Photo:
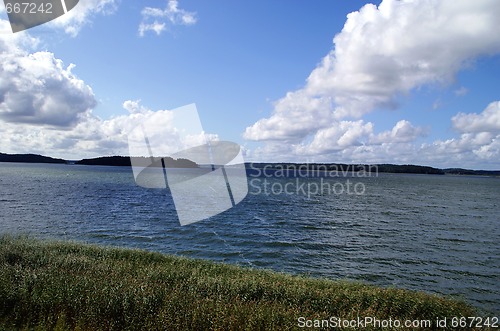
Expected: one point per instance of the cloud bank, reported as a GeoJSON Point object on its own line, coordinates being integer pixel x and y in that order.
{"type": "Point", "coordinates": [46, 109]}
{"type": "Point", "coordinates": [381, 53]}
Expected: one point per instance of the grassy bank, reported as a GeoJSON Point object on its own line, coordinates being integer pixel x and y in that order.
{"type": "Point", "coordinates": [60, 285]}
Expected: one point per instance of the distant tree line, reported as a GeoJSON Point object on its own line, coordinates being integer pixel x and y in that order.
{"type": "Point", "coordinates": [460, 171]}
{"type": "Point", "coordinates": [185, 163]}
{"type": "Point", "coordinates": [347, 168]}
{"type": "Point", "coordinates": [28, 158]}
{"type": "Point", "coordinates": [253, 168]}
{"type": "Point", "coordinates": [125, 161]}
{"type": "Point", "coordinates": [409, 169]}
{"type": "Point", "coordinates": [120, 161]}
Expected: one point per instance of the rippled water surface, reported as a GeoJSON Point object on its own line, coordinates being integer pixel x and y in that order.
{"type": "Point", "coordinates": [439, 234]}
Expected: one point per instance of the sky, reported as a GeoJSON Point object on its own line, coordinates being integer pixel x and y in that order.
{"type": "Point", "coordinates": [404, 82]}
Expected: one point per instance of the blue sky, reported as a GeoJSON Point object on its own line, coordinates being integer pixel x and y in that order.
{"type": "Point", "coordinates": [402, 82]}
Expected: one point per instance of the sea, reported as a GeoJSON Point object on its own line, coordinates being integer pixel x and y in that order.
{"type": "Point", "coordinates": [434, 233]}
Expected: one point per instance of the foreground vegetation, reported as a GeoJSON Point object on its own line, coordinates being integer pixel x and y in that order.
{"type": "Point", "coordinates": [69, 286]}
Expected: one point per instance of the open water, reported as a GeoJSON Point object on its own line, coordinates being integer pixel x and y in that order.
{"type": "Point", "coordinates": [439, 234]}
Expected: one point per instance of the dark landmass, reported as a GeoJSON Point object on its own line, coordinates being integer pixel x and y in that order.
{"type": "Point", "coordinates": [460, 171]}
{"type": "Point", "coordinates": [125, 161]}
{"type": "Point", "coordinates": [340, 168]}
{"type": "Point", "coordinates": [121, 161]}
{"type": "Point", "coordinates": [409, 169]}
{"type": "Point", "coordinates": [28, 158]}
{"type": "Point", "coordinates": [298, 169]}
{"type": "Point", "coordinates": [257, 167]}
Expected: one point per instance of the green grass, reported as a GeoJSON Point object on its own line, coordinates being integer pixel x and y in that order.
{"type": "Point", "coordinates": [46, 285]}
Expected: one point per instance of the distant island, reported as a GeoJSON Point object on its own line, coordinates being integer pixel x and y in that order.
{"type": "Point", "coordinates": [146, 161]}
{"type": "Point", "coordinates": [29, 158]}
{"type": "Point", "coordinates": [356, 168]}
{"type": "Point", "coordinates": [125, 161]}
{"type": "Point", "coordinates": [347, 168]}
{"type": "Point", "coordinates": [120, 161]}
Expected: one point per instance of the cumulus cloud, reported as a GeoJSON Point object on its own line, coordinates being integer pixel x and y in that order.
{"type": "Point", "coordinates": [479, 139]}
{"type": "Point", "coordinates": [15, 42]}
{"type": "Point", "coordinates": [134, 107]}
{"type": "Point", "coordinates": [402, 132]}
{"type": "Point", "coordinates": [380, 53]}
{"type": "Point", "coordinates": [476, 146]}
{"type": "Point", "coordinates": [296, 115]}
{"type": "Point", "coordinates": [346, 135]}
{"type": "Point", "coordinates": [38, 88]}
{"type": "Point", "coordinates": [47, 109]}
{"type": "Point", "coordinates": [486, 121]}
{"type": "Point", "coordinates": [155, 19]}
{"type": "Point", "coordinates": [92, 136]}
{"type": "Point", "coordinates": [342, 135]}
{"type": "Point", "coordinates": [465, 151]}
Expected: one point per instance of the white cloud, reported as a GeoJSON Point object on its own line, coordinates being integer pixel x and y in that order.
{"type": "Point", "coordinates": [380, 53]}
{"type": "Point", "coordinates": [171, 14]}
{"type": "Point", "coordinates": [92, 136]}
{"type": "Point", "coordinates": [46, 109]}
{"type": "Point", "coordinates": [73, 21]}
{"type": "Point", "coordinates": [356, 136]}
{"type": "Point", "coordinates": [402, 132]}
{"type": "Point", "coordinates": [479, 139]}
{"type": "Point", "coordinates": [156, 27]}
{"type": "Point", "coordinates": [477, 146]}
{"type": "Point", "coordinates": [37, 88]}
{"type": "Point", "coordinates": [340, 136]}
{"type": "Point", "coordinates": [15, 42]}
{"type": "Point", "coordinates": [468, 150]}
{"type": "Point", "coordinates": [134, 107]}
{"type": "Point", "coordinates": [347, 141]}
{"type": "Point", "coordinates": [296, 115]}
{"type": "Point", "coordinates": [487, 121]}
